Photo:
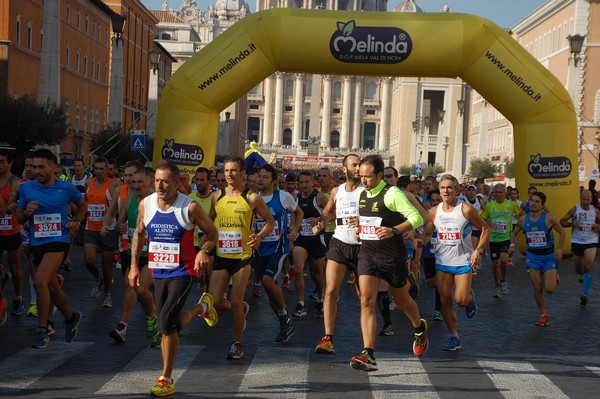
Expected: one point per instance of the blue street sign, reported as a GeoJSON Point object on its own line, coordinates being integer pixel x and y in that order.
{"type": "Point", "coordinates": [137, 143]}
{"type": "Point", "coordinates": [418, 169]}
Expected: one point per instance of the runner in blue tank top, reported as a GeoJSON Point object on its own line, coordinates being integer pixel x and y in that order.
{"type": "Point", "coordinates": [44, 203]}
{"type": "Point", "coordinates": [542, 257]}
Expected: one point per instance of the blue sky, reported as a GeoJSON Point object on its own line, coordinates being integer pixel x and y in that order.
{"type": "Point", "coordinates": [505, 13]}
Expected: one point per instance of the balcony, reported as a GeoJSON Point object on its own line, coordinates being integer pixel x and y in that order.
{"type": "Point", "coordinates": [301, 150]}
{"type": "Point", "coordinates": [255, 97]}
{"type": "Point", "coordinates": [371, 102]}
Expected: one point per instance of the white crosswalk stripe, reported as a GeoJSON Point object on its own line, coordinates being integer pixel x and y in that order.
{"type": "Point", "coordinates": [29, 365]}
{"type": "Point", "coordinates": [141, 373]}
{"type": "Point", "coordinates": [595, 370]}
{"type": "Point", "coordinates": [520, 380]}
{"type": "Point", "coordinates": [265, 378]}
{"type": "Point", "coordinates": [401, 376]}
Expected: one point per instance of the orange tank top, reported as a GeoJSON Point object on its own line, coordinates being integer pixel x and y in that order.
{"type": "Point", "coordinates": [98, 200]}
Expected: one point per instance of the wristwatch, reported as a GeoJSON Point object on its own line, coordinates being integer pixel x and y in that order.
{"type": "Point", "coordinates": [395, 231]}
{"type": "Point", "coordinates": [481, 251]}
{"type": "Point", "coordinates": [205, 250]}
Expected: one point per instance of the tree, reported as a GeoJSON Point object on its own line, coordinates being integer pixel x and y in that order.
{"type": "Point", "coordinates": [26, 123]}
{"type": "Point", "coordinates": [483, 168]}
{"type": "Point", "coordinates": [433, 170]}
{"type": "Point", "coordinates": [509, 168]}
{"type": "Point", "coordinates": [113, 143]}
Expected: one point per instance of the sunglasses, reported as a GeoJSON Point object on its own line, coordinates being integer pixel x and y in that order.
{"type": "Point", "coordinates": [388, 176]}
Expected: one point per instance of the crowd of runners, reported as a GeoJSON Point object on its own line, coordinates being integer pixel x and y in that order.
{"type": "Point", "coordinates": [230, 228]}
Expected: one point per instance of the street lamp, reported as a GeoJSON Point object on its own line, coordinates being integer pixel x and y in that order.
{"type": "Point", "coordinates": [441, 114]}
{"type": "Point", "coordinates": [118, 24]}
{"type": "Point", "coordinates": [575, 46]}
{"type": "Point", "coordinates": [154, 60]}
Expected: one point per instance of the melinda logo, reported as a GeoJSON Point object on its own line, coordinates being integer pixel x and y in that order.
{"type": "Point", "coordinates": [369, 45]}
{"type": "Point", "coordinates": [182, 154]}
{"type": "Point", "coordinates": [548, 168]}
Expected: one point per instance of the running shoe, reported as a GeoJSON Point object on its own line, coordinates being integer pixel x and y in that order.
{"type": "Point", "coordinates": [452, 344]}
{"type": "Point", "coordinates": [471, 309]}
{"type": "Point", "coordinates": [107, 303]}
{"type": "Point", "coordinates": [3, 312]}
{"type": "Point", "coordinates": [392, 303]}
{"type": "Point", "coordinates": [497, 292]}
{"type": "Point", "coordinates": [18, 307]}
{"type": "Point", "coordinates": [543, 321]}
{"type": "Point", "coordinates": [119, 333]}
{"type": "Point", "coordinates": [363, 362]}
{"type": "Point", "coordinates": [257, 291]}
{"type": "Point", "coordinates": [414, 289]}
{"type": "Point", "coordinates": [151, 326]}
{"type": "Point", "coordinates": [235, 352]}
{"type": "Point", "coordinates": [583, 299]}
{"type": "Point", "coordinates": [314, 295]}
{"type": "Point", "coordinates": [210, 316]}
{"type": "Point", "coordinates": [504, 287]}
{"type": "Point", "coordinates": [285, 282]}
{"type": "Point", "coordinates": [50, 328]}
{"type": "Point", "coordinates": [437, 315]}
{"type": "Point", "coordinates": [319, 309]}
{"type": "Point", "coordinates": [32, 311]}
{"type": "Point", "coordinates": [509, 262]}
{"type": "Point", "coordinates": [325, 347]}
{"type": "Point", "coordinates": [156, 340]}
{"type": "Point", "coordinates": [421, 342]}
{"type": "Point", "coordinates": [97, 288]}
{"type": "Point", "coordinates": [387, 330]}
{"type": "Point", "coordinates": [557, 279]}
{"type": "Point", "coordinates": [300, 311]}
{"type": "Point", "coordinates": [67, 265]}
{"type": "Point", "coordinates": [164, 387]}
{"type": "Point", "coordinates": [71, 329]}
{"type": "Point", "coordinates": [61, 280]}
{"type": "Point", "coordinates": [286, 331]}
{"type": "Point", "coordinates": [41, 339]}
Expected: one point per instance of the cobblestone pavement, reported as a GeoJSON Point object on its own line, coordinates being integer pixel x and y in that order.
{"type": "Point", "coordinates": [503, 354]}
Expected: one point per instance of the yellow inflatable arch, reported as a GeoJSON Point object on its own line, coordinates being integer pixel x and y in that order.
{"type": "Point", "coordinates": [379, 44]}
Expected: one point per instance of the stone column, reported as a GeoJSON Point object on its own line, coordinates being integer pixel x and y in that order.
{"type": "Point", "coordinates": [298, 108]}
{"type": "Point", "coordinates": [267, 133]}
{"type": "Point", "coordinates": [278, 112]}
{"type": "Point", "coordinates": [346, 111]}
{"type": "Point", "coordinates": [358, 107]}
{"type": "Point", "coordinates": [326, 121]}
{"type": "Point", "coordinates": [386, 110]}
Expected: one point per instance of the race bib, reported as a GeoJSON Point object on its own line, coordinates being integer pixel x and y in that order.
{"type": "Point", "coordinates": [346, 209]}
{"type": "Point", "coordinates": [367, 229]}
{"type": "Point", "coordinates": [273, 235]}
{"type": "Point", "coordinates": [306, 228]}
{"type": "Point", "coordinates": [96, 212]}
{"type": "Point", "coordinates": [499, 226]}
{"type": "Point", "coordinates": [449, 236]}
{"type": "Point", "coordinates": [536, 239]}
{"type": "Point", "coordinates": [585, 227]}
{"type": "Point", "coordinates": [433, 244]}
{"type": "Point", "coordinates": [230, 242]}
{"type": "Point", "coordinates": [163, 255]}
{"type": "Point", "coordinates": [6, 222]}
{"type": "Point", "coordinates": [47, 225]}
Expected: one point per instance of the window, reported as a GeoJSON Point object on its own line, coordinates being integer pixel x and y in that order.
{"type": "Point", "coordinates": [255, 90]}
{"type": "Point", "coordinates": [77, 60]}
{"type": "Point", "coordinates": [289, 88]}
{"type": "Point", "coordinates": [18, 27]}
{"type": "Point", "coordinates": [288, 108]}
{"type": "Point", "coordinates": [68, 112]}
{"type": "Point", "coordinates": [337, 91]}
{"type": "Point", "coordinates": [93, 29]}
{"type": "Point", "coordinates": [67, 56]}
{"type": "Point", "coordinates": [165, 36]}
{"type": "Point", "coordinates": [85, 65]}
{"type": "Point", "coordinates": [29, 35]}
{"type": "Point", "coordinates": [78, 20]}
{"type": "Point", "coordinates": [87, 24]}
{"type": "Point", "coordinates": [97, 71]}
{"type": "Point", "coordinates": [335, 111]}
{"type": "Point", "coordinates": [370, 112]}
{"type": "Point", "coordinates": [334, 139]}
{"type": "Point", "coordinates": [77, 118]}
{"type": "Point", "coordinates": [287, 136]}
{"type": "Point", "coordinates": [84, 119]}
{"type": "Point", "coordinates": [254, 106]}
{"type": "Point", "coordinates": [371, 90]}
{"type": "Point", "coordinates": [68, 13]}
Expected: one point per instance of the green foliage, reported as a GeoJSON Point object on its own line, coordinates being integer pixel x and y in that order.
{"type": "Point", "coordinates": [112, 143]}
{"type": "Point", "coordinates": [509, 168]}
{"type": "Point", "coordinates": [26, 123]}
{"type": "Point", "coordinates": [429, 170]}
{"type": "Point", "coordinates": [483, 168]}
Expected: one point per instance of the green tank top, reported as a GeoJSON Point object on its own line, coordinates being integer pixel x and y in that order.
{"type": "Point", "coordinates": [132, 215]}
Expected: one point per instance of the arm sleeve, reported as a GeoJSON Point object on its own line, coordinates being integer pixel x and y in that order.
{"type": "Point", "coordinates": [395, 200]}
{"type": "Point", "coordinates": [22, 197]}
{"type": "Point", "coordinates": [74, 195]}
